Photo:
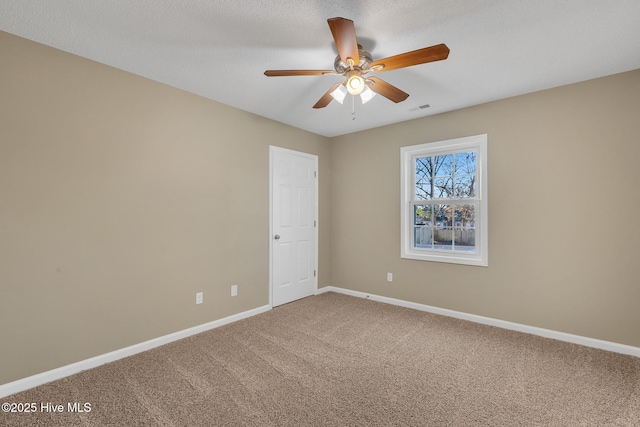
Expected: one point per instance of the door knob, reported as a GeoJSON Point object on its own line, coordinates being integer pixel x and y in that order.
{"type": "Point", "coordinates": [277, 237]}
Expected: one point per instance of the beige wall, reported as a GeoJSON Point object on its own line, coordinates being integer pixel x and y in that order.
{"type": "Point", "coordinates": [564, 234]}
{"type": "Point", "coordinates": [120, 198]}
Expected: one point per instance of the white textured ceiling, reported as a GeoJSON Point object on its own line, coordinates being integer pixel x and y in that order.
{"type": "Point", "coordinates": [220, 48]}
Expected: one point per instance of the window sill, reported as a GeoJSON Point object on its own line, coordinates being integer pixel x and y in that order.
{"type": "Point", "coordinates": [449, 257]}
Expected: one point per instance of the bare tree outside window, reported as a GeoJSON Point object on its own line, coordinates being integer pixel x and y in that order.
{"type": "Point", "coordinates": [443, 182]}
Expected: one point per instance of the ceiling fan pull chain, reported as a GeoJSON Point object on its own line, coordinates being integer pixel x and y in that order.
{"type": "Point", "coordinates": [353, 107]}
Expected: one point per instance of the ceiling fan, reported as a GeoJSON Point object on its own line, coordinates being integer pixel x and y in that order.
{"type": "Point", "coordinates": [354, 63]}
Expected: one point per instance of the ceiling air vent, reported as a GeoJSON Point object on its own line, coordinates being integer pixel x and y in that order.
{"type": "Point", "coordinates": [420, 107]}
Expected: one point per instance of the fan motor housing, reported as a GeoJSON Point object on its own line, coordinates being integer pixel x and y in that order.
{"type": "Point", "coordinates": [365, 62]}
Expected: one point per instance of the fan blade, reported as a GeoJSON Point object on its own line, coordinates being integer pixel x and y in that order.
{"type": "Point", "coordinates": [284, 73]}
{"type": "Point", "coordinates": [415, 57]}
{"type": "Point", "coordinates": [387, 90]}
{"type": "Point", "coordinates": [344, 34]}
{"type": "Point", "coordinates": [326, 98]}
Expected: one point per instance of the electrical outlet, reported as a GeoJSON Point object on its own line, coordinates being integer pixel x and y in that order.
{"type": "Point", "coordinates": [234, 290]}
{"type": "Point", "coordinates": [389, 277]}
{"type": "Point", "coordinates": [199, 297]}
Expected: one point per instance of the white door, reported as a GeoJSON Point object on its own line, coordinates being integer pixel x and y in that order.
{"type": "Point", "coordinates": [293, 177]}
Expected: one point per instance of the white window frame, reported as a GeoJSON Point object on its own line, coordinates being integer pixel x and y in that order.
{"type": "Point", "coordinates": [477, 143]}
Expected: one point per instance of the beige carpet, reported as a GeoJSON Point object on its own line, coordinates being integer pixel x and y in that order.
{"type": "Point", "coordinates": [334, 360]}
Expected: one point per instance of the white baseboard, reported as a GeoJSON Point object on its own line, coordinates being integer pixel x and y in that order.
{"type": "Point", "coordinates": [547, 333]}
{"type": "Point", "coordinates": [74, 368]}
{"type": "Point", "coordinates": [65, 371]}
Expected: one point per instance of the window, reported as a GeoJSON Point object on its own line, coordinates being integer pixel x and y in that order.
{"type": "Point", "coordinates": [444, 201]}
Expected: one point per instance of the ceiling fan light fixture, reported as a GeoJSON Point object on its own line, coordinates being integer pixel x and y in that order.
{"type": "Point", "coordinates": [339, 93]}
{"type": "Point", "coordinates": [355, 83]}
{"type": "Point", "coordinates": [353, 63]}
{"type": "Point", "coordinates": [367, 95]}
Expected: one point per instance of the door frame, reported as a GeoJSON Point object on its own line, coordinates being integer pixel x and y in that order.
{"type": "Point", "coordinates": [272, 150]}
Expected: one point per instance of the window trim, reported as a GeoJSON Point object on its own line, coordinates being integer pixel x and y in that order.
{"type": "Point", "coordinates": [477, 143]}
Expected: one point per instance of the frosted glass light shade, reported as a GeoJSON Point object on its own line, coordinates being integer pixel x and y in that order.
{"type": "Point", "coordinates": [367, 94]}
{"type": "Point", "coordinates": [339, 93]}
